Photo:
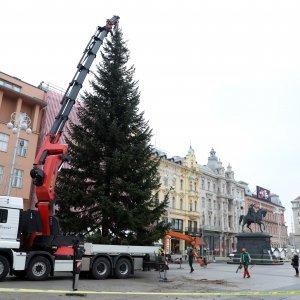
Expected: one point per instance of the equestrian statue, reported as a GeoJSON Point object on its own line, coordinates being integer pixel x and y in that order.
{"type": "Point", "coordinates": [253, 217]}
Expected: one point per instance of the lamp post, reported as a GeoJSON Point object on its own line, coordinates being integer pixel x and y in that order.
{"type": "Point", "coordinates": [167, 246]}
{"type": "Point", "coordinates": [18, 121]}
{"type": "Point", "coordinates": [277, 212]}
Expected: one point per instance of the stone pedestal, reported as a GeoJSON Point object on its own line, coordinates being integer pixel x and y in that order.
{"type": "Point", "coordinates": [258, 245]}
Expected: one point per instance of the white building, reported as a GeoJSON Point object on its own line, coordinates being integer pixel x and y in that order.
{"type": "Point", "coordinates": [296, 218]}
{"type": "Point", "coordinates": [222, 199]}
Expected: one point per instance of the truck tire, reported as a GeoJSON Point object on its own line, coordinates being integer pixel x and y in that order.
{"type": "Point", "coordinates": [38, 268]}
{"type": "Point", "coordinates": [123, 268]}
{"type": "Point", "coordinates": [101, 268]}
{"type": "Point", "coordinates": [4, 267]}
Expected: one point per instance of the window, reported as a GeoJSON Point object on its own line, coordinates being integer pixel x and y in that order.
{"type": "Point", "coordinates": [195, 225]}
{"type": "Point", "coordinates": [191, 186]}
{"type": "Point", "coordinates": [17, 180]}
{"type": "Point", "coordinates": [22, 147]}
{"type": "Point", "coordinates": [190, 225]}
{"type": "Point", "coordinates": [181, 204]}
{"type": "Point", "coordinates": [177, 224]}
{"type": "Point", "coordinates": [191, 206]}
{"type": "Point", "coordinates": [10, 85]}
{"type": "Point", "coordinates": [166, 181]}
{"type": "Point", "coordinates": [181, 184]}
{"type": "Point", "coordinates": [202, 184]}
{"type": "Point", "coordinates": [209, 204]}
{"type": "Point", "coordinates": [195, 187]}
{"type": "Point", "coordinates": [208, 185]}
{"type": "Point", "coordinates": [173, 202]}
{"type": "Point", "coordinates": [3, 141]}
{"type": "Point", "coordinates": [195, 207]}
{"type": "Point", "coordinates": [203, 202]}
{"type": "Point", "coordinates": [3, 215]}
{"type": "Point", "coordinates": [174, 181]}
{"type": "Point", "coordinates": [1, 173]}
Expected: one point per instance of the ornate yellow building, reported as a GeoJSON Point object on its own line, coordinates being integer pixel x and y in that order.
{"type": "Point", "coordinates": [180, 179]}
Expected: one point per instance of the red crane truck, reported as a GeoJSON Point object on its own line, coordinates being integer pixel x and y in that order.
{"type": "Point", "coordinates": [31, 244]}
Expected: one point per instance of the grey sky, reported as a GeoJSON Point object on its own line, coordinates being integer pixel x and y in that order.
{"type": "Point", "coordinates": [222, 74]}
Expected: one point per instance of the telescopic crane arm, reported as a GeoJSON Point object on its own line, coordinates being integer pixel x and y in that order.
{"type": "Point", "coordinates": [52, 155]}
{"type": "Point", "coordinates": [194, 241]}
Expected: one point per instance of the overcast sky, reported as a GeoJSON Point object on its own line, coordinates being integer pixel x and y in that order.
{"type": "Point", "coordinates": [221, 74]}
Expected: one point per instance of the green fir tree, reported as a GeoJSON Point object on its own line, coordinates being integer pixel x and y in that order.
{"type": "Point", "coordinates": [108, 193]}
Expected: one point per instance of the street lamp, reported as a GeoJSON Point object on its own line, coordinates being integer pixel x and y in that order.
{"type": "Point", "coordinates": [18, 121]}
{"type": "Point", "coordinates": [277, 212]}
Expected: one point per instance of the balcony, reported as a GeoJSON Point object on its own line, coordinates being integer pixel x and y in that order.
{"type": "Point", "coordinates": [212, 228]}
{"type": "Point", "coordinates": [193, 214]}
{"type": "Point", "coordinates": [193, 231]}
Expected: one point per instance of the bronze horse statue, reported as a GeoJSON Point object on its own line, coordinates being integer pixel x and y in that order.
{"type": "Point", "coordinates": [255, 218]}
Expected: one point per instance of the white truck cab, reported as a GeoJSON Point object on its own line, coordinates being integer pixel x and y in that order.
{"type": "Point", "coordinates": [10, 210]}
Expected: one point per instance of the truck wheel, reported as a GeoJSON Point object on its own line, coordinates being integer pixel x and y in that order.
{"type": "Point", "coordinates": [101, 268]}
{"type": "Point", "coordinates": [38, 269]}
{"type": "Point", "coordinates": [4, 267]}
{"type": "Point", "coordinates": [123, 268]}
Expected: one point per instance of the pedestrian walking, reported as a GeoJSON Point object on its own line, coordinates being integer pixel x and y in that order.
{"type": "Point", "coordinates": [245, 261]}
{"type": "Point", "coordinates": [295, 264]}
{"type": "Point", "coordinates": [190, 253]}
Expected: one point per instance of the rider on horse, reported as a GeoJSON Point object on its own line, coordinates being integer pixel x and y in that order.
{"type": "Point", "coordinates": [251, 212]}
{"type": "Point", "coordinates": [253, 217]}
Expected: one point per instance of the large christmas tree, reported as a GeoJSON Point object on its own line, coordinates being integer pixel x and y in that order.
{"type": "Point", "coordinates": [107, 194]}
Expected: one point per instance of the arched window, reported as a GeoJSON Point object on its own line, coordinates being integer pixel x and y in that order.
{"type": "Point", "coordinates": [181, 203]}
{"type": "Point", "coordinates": [173, 202]}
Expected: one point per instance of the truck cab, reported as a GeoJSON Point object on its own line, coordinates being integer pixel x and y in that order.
{"type": "Point", "coordinates": [10, 211]}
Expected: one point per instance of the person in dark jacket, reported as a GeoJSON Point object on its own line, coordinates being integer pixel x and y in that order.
{"type": "Point", "coordinates": [190, 253]}
{"type": "Point", "coordinates": [295, 264]}
{"type": "Point", "coordinates": [245, 261]}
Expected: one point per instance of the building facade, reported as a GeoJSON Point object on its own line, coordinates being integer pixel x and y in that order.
{"type": "Point", "coordinates": [221, 200]}
{"type": "Point", "coordinates": [207, 201]}
{"type": "Point", "coordinates": [17, 148]}
{"type": "Point", "coordinates": [180, 179]}
{"type": "Point", "coordinates": [296, 222]}
{"type": "Point", "coordinates": [204, 200]}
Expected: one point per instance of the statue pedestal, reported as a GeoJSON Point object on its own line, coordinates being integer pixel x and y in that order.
{"type": "Point", "coordinates": [258, 245]}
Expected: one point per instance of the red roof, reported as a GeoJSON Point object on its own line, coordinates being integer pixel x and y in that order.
{"type": "Point", "coordinates": [298, 198]}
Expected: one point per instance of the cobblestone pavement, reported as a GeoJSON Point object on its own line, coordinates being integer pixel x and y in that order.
{"type": "Point", "coordinates": [217, 281]}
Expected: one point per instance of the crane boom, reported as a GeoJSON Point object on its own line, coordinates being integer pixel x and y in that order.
{"type": "Point", "coordinates": [52, 155]}
{"type": "Point", "coordinates": [194, 241]}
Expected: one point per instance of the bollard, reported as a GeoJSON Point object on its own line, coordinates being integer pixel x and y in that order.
{"type": "Point", "coordinates": [77, 261]}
